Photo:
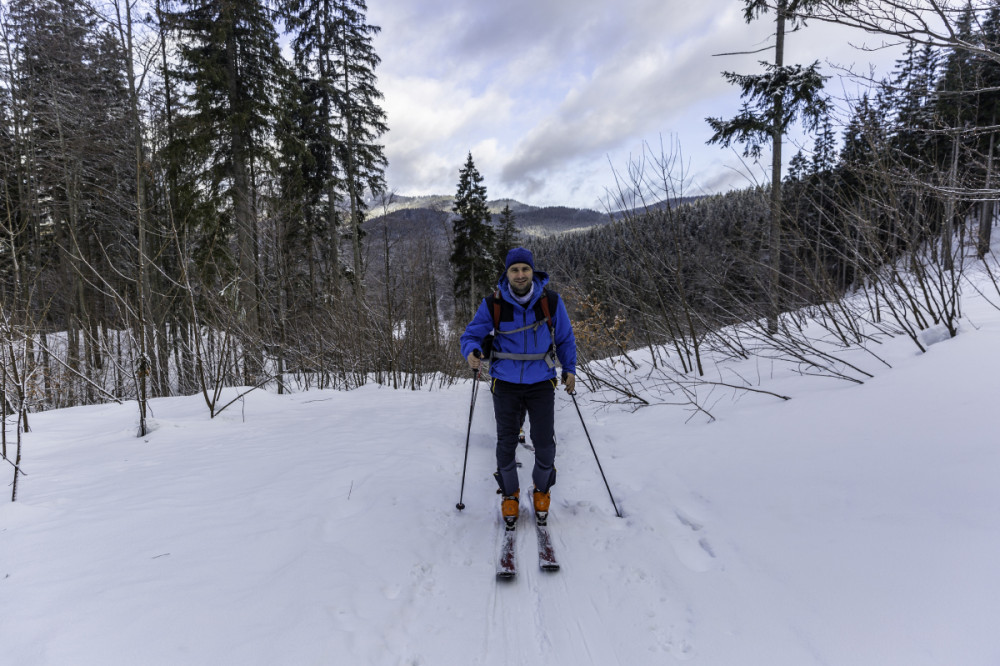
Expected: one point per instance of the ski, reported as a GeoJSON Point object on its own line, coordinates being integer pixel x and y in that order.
{"type": "Point", "coordinates": [546, 553]}
{"type": "Point", "coordinates": [506, 564]}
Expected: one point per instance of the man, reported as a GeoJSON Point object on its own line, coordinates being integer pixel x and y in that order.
{"type": "Point", "coordinates": [530, 335]}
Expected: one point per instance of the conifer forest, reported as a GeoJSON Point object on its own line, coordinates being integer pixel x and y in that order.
{"type": "Point", "coordinates": [194, 197]}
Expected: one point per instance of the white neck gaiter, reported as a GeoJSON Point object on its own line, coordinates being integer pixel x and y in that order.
{"type": "Point", "coordinates": [523, 300]}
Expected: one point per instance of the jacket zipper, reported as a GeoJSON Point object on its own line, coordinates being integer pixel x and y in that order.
{"type": "Point", "coordinates": [534, 338]}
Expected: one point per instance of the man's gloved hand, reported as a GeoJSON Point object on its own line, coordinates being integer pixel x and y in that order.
{"type": "Point", "coordinates": [475, 359]}
{"type": "Point", "coordinates": [569, 379]}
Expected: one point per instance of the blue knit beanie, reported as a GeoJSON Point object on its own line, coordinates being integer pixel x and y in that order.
{"type": "Point", "coordinates": [519, 256]}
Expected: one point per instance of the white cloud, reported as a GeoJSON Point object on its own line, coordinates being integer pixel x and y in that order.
{"type": "Point", "coordinates": [545, 92]}
{"type": "Point", "coordinates": [432, 127]}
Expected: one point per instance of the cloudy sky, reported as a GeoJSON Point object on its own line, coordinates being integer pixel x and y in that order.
{"type": "Point", "coordinates": [552, 96]}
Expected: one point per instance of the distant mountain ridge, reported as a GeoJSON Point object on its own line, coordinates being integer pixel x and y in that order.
{"type": "Point", "coordinates": [531, 220]}
{"type": "Point", "coordinates": [439, 202]}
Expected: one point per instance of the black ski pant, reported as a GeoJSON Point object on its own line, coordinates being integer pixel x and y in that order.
{"type": "Point", "coordinates": [510, 401]}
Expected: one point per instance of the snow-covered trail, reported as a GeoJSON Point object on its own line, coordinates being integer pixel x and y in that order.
{"type": "Point", "coordinates": [298, 530]}
{"type": "Point", "coordinates": [851, 525]}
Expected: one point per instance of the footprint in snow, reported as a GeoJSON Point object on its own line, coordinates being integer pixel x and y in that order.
{"type": "Point", "coordinates": [691, 545]}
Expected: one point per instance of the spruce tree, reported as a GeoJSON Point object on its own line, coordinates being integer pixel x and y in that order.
{"type": "Point", "coordinates": [74, 137]}
{"type": "Point", "coordinates": [298, 208]}
{"type": "Point", "coordinates": [507, 233]}
{"type": "Point", "coordinates": [777, 98]}
{"type": "Point", "coordinates": [231, 65]}
{"type": "Point", "coordinates": [959, 77]}
{"type": "Point", "coordinates": [910, 92]}
{"type": "Point", "coordinates": [474, 256]}
{"type": "Point", "coordinates": [333, 49]}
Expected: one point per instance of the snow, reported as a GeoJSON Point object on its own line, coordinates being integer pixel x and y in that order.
{"type": "Point", "coordinates": [850, 525]}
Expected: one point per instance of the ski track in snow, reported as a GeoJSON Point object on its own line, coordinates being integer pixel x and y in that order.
{"type": "Point", "coordinates": [531, 611]}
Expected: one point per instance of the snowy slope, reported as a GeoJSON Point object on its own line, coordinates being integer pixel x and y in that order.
{"type": "Point", "coordinates": [853, 525]}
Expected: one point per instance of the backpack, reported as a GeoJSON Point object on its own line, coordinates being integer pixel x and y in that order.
{"type": "Point", "coordinates": [543, 312]}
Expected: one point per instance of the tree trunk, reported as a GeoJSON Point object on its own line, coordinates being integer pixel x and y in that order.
{"type": "Point", "coordinates": [245, 223]}
{"type": "Point", "coordinates": [142, 272]}
{"type": "Point", "coordinates": [949, 211]}
{"type": "Point", "coordinates": [986, 218]}
{"type": "Point", "coordinates": [774, 244]}
{"type": "Point", "coordinates": [352, 193]}
{"type": "Point", "coordinates": [331, 218]}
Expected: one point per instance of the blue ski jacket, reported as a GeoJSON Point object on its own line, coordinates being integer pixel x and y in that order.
{"type": "Point", "coordinates": [535, 340]}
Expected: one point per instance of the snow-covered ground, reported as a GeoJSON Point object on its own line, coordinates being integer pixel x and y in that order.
{"type": "Point", "coordinates": [851, 525]}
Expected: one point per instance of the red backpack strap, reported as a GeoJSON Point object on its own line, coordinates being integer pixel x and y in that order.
{"type": "Point", "coordinates": [496, 310]}
{"type": "Point", "coordinates": [544, 302]}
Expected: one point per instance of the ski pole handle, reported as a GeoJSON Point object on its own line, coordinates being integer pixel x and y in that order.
{"type": "Point", "coordinates": [479, 355]}
{"type": "Point", "coordinates": [565, 381]}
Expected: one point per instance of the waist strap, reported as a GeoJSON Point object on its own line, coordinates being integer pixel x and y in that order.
{"type": "Point", "coordinates": [549, 357]}
{"type": "Point", "coordinates": [519, 357]}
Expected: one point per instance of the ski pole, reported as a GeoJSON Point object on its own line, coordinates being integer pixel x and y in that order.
{"type": "Point", "coordinates": [617, 512]}
{"type": "Point", "coordinates": [472, 407]}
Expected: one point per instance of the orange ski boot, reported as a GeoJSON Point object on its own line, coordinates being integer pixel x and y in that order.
{"type": "Point", "coordinates": [541, 506]}
{"type": "Point", "coordinates": [509, 508]}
